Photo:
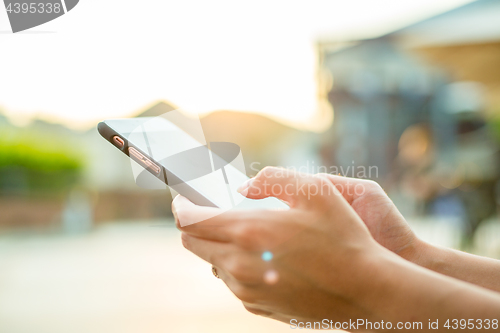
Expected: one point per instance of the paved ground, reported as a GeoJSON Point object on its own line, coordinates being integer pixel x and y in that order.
{"type": "Point", "coordinates": [119, 278]}
{"type": "Point", "coordinates": [131, 278]}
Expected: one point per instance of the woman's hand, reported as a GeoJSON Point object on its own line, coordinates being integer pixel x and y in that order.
{"type": "Point", "coordinates": [321, 250]}
{"type": "Point", "coordinates": [390, 229]}
{"type": "Point", "coordinates": [386, 224]}
{"type": "Point", "coordinates": [318, 261]}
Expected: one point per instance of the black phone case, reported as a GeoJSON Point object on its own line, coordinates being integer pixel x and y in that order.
{"type": "Point", "coordinates": [181, 187]}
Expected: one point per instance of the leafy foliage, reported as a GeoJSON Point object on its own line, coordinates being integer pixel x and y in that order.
{"type": "Point", "coordinates": [37, 160]}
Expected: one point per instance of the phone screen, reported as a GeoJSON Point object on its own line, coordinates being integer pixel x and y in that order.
{"type": "Point", "coordinates": [190, 160]}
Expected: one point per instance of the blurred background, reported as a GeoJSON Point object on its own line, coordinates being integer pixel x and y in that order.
{"type": "Point", "coordinates": [406, 93]}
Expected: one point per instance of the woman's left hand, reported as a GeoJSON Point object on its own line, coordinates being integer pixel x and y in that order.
{"type": "Point", "coordinates": [309, 262]}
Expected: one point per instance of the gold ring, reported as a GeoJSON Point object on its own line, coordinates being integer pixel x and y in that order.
{"type": "Point", "coordinates": [214, 271]}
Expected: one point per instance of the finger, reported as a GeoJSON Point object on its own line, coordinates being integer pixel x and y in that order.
{"type": "Point", "coordinates": [256, 310]}
{"type": "Point", "coordinates": [288, 185]}
{"type": "Point", "coordinates": [244, 267]}
{"type": "Point", "coordinates": [352, 188]}
{"type": "Point", "coordinates": [224, 227]}
{"type": "Point", "coordinates": [181, 205]}
{"type": "Point", "coordinates": [208, 250]}
{"type": "Point", "coordinates": [199, 220]}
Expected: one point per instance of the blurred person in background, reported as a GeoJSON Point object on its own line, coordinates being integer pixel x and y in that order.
{"type": "Point", "coordinates": [343, 252]}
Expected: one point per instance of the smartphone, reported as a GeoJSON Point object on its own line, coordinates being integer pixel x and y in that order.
{"type": "Point", "coordinates": [163, 151]}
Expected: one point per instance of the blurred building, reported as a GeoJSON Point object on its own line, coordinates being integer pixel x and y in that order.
{"type": "Point", "coordinates": [417, 103]}
{"type": "Point", "coordinates": [105, 189]}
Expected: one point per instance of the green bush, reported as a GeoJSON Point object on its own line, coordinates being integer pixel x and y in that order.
{"type": "Point", "coordinates": [37, 160]}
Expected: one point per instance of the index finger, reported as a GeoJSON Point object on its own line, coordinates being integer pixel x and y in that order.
{"type": "Point", "coordinates": [214, 223]}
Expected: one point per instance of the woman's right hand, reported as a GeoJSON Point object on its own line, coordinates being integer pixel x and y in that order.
{"type": "Point", "coordinates": [385, 223]}
{"type": "Point", "coordinates": [389, 228]}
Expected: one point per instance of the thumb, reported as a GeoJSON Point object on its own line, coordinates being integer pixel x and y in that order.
{"type": "Point", "coordinates": [353, 188]}
{"type": "Point", "coordinates": [288, 185]}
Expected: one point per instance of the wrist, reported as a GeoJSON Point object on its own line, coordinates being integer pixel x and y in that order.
{"type": "Point", "coordinates": [373, 281]}
{"type": "Point", "coordinates": [416, 252]}
{"type": "Point", "coordinates": [364, 276]}
{"type": "Point", "coordinates": [424, 254]}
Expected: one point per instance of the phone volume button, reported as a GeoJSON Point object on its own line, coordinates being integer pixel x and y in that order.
{"type": "Point", "coordinates": [143, 160]}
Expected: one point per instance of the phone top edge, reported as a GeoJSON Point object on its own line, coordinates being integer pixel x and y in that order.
{"type": "Point", "coordinates": [107, 132]}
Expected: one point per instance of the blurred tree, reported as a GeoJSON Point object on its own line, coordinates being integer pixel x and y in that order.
{"type": "Point", "coordinates": [33, 161]}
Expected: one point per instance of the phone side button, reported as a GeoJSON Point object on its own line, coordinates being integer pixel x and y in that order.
{"type": "Point", "coordinates": [117, 141]}
{"type": "Point", "coordinates": [143, 160]}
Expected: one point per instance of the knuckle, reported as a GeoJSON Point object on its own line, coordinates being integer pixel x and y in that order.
{"type": "Point", "coordinates": [322, 180]}
{"type": "Point", "coordinates": [243, 293]}
{"type": "Point", "coordinates": [255, 311]}
{"type": "Point", "coordinates": [216, 259]}
{"type": "Point", "coordinates": [366, 187]}
{"type": "Point", "coordinates": [251, 309]}
{"type": "Point", "coordinates": [372, 185]}
{"type": "Point", "coordinates": [181, 214]}
{"type": "Point", "coordinates": [238, 269]}
{"type": "Point", "coordinates": [267, 171]}
{"type": "Point", "coordinates": [323, 175]}
{"type": "Point", "coordinates": [185, 241]}
{"type": "Point", "coordinates": [246, 236]}
{"type": "Point", "coordinates": [271, 172]}
{"type": "Point", "coordinates": [321, 186]}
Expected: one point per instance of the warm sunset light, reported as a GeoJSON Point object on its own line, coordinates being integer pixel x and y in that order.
{"type": "Point", "coordinates": [255, 166]}
{"type": "Point", "coordinates": [258, 59]}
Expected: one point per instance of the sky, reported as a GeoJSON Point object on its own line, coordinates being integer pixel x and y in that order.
{"type": "Point", "coordinates": [110, 59]}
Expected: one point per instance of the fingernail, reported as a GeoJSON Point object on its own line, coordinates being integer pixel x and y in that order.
{"type": "Point", "coordinates": [245, 186]}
